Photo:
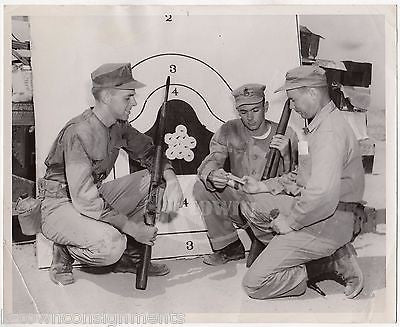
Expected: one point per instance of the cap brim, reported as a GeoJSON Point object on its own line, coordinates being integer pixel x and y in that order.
{"type": "Point", "coordinates": [132, 85]}
{"type": "Point", "coordinates": [285, 87]}
{"type": "Point", "coordinates": [243, 103]}
{"type": "Point", "coordinates": [282, 88]}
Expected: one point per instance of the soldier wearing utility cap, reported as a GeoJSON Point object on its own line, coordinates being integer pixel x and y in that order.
{"type": "Point", "coordinates": [313, 237]}
{"type": "Point", "coordinates": [243, 143]}
{"type": "Point", "coordinates": [96, 223]}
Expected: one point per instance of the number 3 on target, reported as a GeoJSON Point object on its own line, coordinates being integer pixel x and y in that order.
{"type": "Point", "coordinates": [172, 69]}
{"type": "Point", "coordinates": [189, 245]}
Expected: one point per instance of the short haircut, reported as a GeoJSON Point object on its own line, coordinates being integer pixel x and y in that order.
{"type": "Point", "coordinates": [96, 91]}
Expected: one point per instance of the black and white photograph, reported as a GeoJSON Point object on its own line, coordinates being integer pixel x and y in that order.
{"type": "Point", "coordinates": [173, 164]}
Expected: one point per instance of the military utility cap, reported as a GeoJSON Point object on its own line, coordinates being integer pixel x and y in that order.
{"type": "Point", "coordinates": [249, 94]}
{"type": "Point", "coordinates": [116, 76]}
{"type": "Point", "coordinates": [310, 76]}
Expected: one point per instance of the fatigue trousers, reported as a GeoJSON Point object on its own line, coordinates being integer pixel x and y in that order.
{"type": "Point", "coordinates": [97, 242]}
{"type": "Point", "coordinates": [279, 271]}
{"type": "Point", "coordinates": [220, 211]}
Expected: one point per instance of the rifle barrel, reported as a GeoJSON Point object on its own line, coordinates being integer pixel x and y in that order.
{"type": "Point", "coordinates": [152, 201]}
{"type": "Point", "coordinates": [271, 168]}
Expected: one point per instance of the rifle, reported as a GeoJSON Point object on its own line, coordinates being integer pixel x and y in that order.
{"type": "Point", "coordinates": [273, 156]}
{"type": "Point", "coordinates": [152, 199]}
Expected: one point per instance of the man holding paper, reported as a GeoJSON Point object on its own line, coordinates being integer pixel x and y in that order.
{"type": "Point", "coordinates": [242, 143]}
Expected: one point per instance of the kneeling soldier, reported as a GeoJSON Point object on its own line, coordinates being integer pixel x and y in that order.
{"type": "Point", "coordinates": [101, 224]}
{"type": "Point", "coordinates": [314, 230]}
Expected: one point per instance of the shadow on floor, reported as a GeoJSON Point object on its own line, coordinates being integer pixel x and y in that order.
{"type": "Point", "coordinates": [186, 271]}
{"type": "Point", "coordinates": [183, 271]}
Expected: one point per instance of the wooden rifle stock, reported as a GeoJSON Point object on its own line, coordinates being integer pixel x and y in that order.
{"type": "Point", "coordinates": [273, 157]}
{"type": "Point", "coordinates": [152, 200]}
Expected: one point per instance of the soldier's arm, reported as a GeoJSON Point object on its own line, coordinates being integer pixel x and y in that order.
{"type": "Point", "coordinates": [320, 197]}
{"type": "Point", "coordinates": [78, 168]}
{"type": "Point", "coordinates": [215, 159]}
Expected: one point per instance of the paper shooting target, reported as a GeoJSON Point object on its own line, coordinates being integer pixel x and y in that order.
{"type": "Point", "coordinates": [199, 101]}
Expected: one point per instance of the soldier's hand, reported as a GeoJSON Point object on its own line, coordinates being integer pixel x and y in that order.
{"type": "Point", "coordinates": [280, 225]}
{"type": "Point", "coordinates": [173, 196]}
{"type": "Point", "coordinates": [141, 232]}
{"type": "Point", "coordinates": [281, 142]}
{"type": "Point", "coordinates": [252, 185]}
{"type": "Point", "coordinates": [218, 178]}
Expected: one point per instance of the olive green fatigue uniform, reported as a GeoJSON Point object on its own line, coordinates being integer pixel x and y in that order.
{"type": "Point", "coordinates": [247, 156]}
{"type": "Point", "coordinates": [78, 210]}
{"type": "Point", "coordinates": [335, 174]}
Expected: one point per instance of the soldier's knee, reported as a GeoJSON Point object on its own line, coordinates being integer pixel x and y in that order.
{"type": "Point", "coordinates": [250, 284]}
{"type": "Point", "coordinates": [112, 247]}
{"type": "Point", "coordinates": [256, 287]}
{"type": "Point", "coordinates": [199, 190]}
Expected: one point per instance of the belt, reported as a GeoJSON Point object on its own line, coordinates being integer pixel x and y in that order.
{"type": "Point", "coordinates": [52, 189]}
{"type": "Point", "coordinates": [349, 206]}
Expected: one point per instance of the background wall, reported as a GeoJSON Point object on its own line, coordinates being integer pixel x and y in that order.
{"type": "Point", "coordinates": [359, 38]}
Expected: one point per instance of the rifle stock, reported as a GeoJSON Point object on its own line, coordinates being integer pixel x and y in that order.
{"type": "Point", "coordinates": [152, 200]}
{"type": "Point", "coordinates": [273, 157]}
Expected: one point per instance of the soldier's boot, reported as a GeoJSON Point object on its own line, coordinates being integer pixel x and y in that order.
{"type": "Point", "coordinates": [61, 267]}
{"type": "Point", "coordinates": [255, 249]}
{"type": "Point", "coordinates": [231, 252]}
{"type": "Point", "coordinates": [132, 257]}
{"type": "Point", "coordinates": [349, 270]}
{"type": "Point", "coordinates": [341, 266]}
{"type": "Point", "coordinates": [127, 264]}
{"type": "Point", "coordinates": [256, 246]}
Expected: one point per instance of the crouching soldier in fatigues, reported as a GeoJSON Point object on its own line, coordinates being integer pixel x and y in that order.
{"type": "Point", "coordinates": [244, 143]}
{"type": "Point", "coordinates": [94, 223]}
{"type": "Point", "coordinates": [314, 234]}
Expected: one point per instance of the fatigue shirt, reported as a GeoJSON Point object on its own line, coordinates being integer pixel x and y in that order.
{"type": "Point", "coordinates": [85, 151]}
{"type": "Point", "coordinates": [336, 171]}
{"type": "Point", "coordinates": [246, 154]}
